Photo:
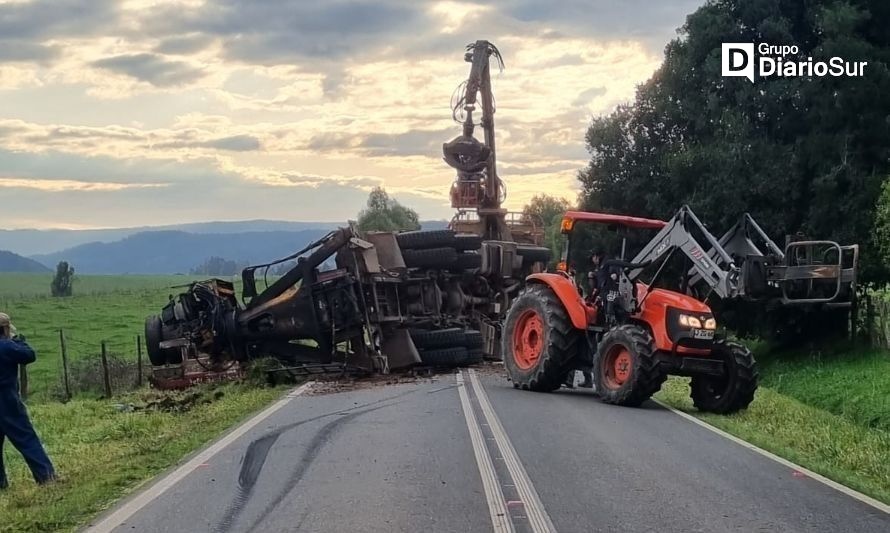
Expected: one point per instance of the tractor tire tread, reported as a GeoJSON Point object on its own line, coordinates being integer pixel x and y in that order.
{"type": "Point", "coordinates": [562, 341]}
{"type": "Point", "coordinates": [646, 373]}
{"type": "Point", "coordinates": [743, 386]}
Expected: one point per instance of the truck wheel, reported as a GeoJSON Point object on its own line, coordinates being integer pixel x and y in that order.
{"type": "Point", "coordinates": [440, 258]}
{"type": "Point", "coordinates": [426, 239]}
{"type": "Point", "coordinates": [153, 338]}
{"type": "Point", "coordinates": [467, 242]}
{"type": "Point", "coordinates": [447, 357]}
{"type": "Point", "coordinates": [474, 340]}
{"type": "Point", "coordinates": [467, 261]}
{"type": "Point", "coordinates": [735, 390]}
{"type": "Point", "coordinates": [438, 338]}
{"type": "Point", "coordinates": [539, 342]}
{"type": "Point", "coordinates": [625, 369]}
{"type": "Point", "coordinates": [475, 356]}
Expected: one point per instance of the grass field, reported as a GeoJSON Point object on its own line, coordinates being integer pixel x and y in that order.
{"type": "Point", "coordinates": [826, 411]}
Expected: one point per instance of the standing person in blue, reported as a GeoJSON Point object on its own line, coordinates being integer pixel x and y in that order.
{"type": "Point", "coordinates": [14, 422]}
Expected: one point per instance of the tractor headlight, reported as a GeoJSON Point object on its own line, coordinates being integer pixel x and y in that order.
{"type": "Point", "coordinates": [710, 324]}
{"type": "Point", "coordinates": [690, 321]}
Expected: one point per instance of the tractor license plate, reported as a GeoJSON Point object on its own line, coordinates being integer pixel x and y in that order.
{"type": "Point", "coordinates": [705, 334]}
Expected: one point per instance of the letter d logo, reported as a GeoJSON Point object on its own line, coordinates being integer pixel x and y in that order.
{"type": "Point", "coordinates": [738, 60]}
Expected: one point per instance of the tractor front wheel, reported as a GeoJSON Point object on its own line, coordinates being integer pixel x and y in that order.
{"type": "Point", "coordinates": [735, 390]}
{"type": "Point", "coordinates": [539, 342]}
{"type": "Point", "coordinates": [626, 371]}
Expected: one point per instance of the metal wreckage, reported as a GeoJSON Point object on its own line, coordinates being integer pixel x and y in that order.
{"type": "Point", "coordinates": [397, 301]}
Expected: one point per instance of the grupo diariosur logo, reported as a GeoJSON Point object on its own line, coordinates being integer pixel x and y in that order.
{"type": "Point", "coordinates": [738, 59]}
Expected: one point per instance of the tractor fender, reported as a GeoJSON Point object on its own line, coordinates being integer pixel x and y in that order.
{"type": "Point", "coordinates": [567, 292]}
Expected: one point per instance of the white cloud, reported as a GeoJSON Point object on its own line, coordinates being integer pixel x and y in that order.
{"type": "Point", "coordinates": [160, 101]}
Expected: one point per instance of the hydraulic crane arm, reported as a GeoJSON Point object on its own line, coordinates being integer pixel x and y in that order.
{"type": "Point", "coordinates": [324, 248]}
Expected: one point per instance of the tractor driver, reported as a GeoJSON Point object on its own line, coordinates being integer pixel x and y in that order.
{"type": "Point", "coordinates": [596, 278]}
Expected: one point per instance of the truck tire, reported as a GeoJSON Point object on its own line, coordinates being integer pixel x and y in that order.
{"type": "Point", "coordinates": [467, 261]}
{"type": "Point", "coordinates": [153, 338]}
{"type": "Point", "coordinates": [533, 254]}
{"type": "Point", "coordinates": [446, 357]}
{"type": "Point", "coordinates": [625, 370]}
{"type": "Point", "coordinates": [440, 258]}
{"type": "Point", "coordinates": [539, 343]}
{"type": "Point", "coordinates": [467, 242]}
{"type": "Point", "coordinates": [473, 340]}
{"type": "Point", "coordinates": [438, 338]}
{"type": "Point", "coordinates": [475, 356]}
{"type": "Point", "coordinates": [733, 392]}
{"type": "Point", "coordinates": [421, 240]}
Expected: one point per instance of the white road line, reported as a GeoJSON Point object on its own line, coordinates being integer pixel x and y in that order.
{"type": "Point", "coordinates": [500, 519]}
{"type": "Point", "coordinates": [131, 507]}
{"type": "Point", "coordinates": [538, 518]}
{"type": "Point", "coordinates": [785, 462]}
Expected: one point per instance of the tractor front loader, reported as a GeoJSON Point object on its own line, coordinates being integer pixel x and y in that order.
{"type": "Point", "coordinates": [633, 334]}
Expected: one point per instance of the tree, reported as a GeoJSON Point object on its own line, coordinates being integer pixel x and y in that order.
{"type": "Point", "coordinates": [63, 281]}
{"type": "Point", "coordinates": [799, 153]}
{"type": "Point", "coordinates": [544, 207]}
{"type": "Point", "coordinates": [882, 224]}
{"type": "Point", "coordinates": [547, 211]}
{"type": "Point", "coordinates": [217, 266]}
{"type": "Point", "coordinates": [386, 214]}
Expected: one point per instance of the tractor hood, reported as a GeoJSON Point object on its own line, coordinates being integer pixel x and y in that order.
{"type": "Point", "coordinates": [662, 298]}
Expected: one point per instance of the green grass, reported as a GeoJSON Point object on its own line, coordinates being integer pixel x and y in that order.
{"type": "Point", "coordinates": [832, 444]}
{"type": "Point", "coordinates": [847, 381]}
{"type": "Point", "coordinates": [102, 453]}
{"type": "Point", "coordinates": [20, 286]}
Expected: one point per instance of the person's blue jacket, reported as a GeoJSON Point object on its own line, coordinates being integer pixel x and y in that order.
{"type": "Point", "coordinates": [12, 354]}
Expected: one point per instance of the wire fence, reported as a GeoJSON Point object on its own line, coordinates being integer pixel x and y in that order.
{"type": "Point", "coordinates": [102, 369]}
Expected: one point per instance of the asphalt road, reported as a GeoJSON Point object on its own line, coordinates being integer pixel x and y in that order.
{"type": "Point", "coordinates": [468, 453]}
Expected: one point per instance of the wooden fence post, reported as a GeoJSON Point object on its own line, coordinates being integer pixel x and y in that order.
{"type": "Point", "coordinates": [105, 374]}
{"type": "Point", "coordinates": [138, 360]}
{"type": "Point", "coordinates": [65, 381]}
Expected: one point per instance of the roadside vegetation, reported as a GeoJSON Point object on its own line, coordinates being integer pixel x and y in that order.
{"type": "Point", "coordinates": [103, 448]}
{"type": "Point", "coordinates": [102, 308]}
{"type": "Point", "coordinates": [826, 410]}
{"type": "Point", "coordinates": [106, 449]}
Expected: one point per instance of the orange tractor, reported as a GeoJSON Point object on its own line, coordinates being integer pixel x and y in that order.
{"type": "Point", "coordinates": [631, 333]}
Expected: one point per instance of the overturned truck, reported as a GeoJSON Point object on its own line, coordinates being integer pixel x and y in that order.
{"type": "Point", "coordinates": [390, 301]}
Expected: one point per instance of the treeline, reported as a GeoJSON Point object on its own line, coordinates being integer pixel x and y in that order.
{"type": "Point", "coordinates": [801, 154]}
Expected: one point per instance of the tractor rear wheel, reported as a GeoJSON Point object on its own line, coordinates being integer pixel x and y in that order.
{"type": "Point", "coordinates": [732, 392]}
{"type": "Point", "coordinates": [626, 372]}
{"type": "Point", "coordinates": [539, 342]}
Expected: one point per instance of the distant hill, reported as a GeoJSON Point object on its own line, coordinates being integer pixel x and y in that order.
{"type": "Point", "coordinates": [169, 252]}
{"type": "Point", "coordinates": [10, 262]}
{"type": "Point", "coordinates": [30, 242]}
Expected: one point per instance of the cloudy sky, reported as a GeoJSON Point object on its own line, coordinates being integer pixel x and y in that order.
{"type": "Point", "coordinates": [141, 112]}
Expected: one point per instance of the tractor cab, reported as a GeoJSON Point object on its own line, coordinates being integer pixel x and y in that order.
{"type": "Point", "coordinates": [609, 292]}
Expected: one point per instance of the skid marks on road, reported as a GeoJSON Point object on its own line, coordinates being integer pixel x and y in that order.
{"type": "Point", "coordinates": [258, 450]}
{"type": "Point", "coordinates": [513, 502]}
